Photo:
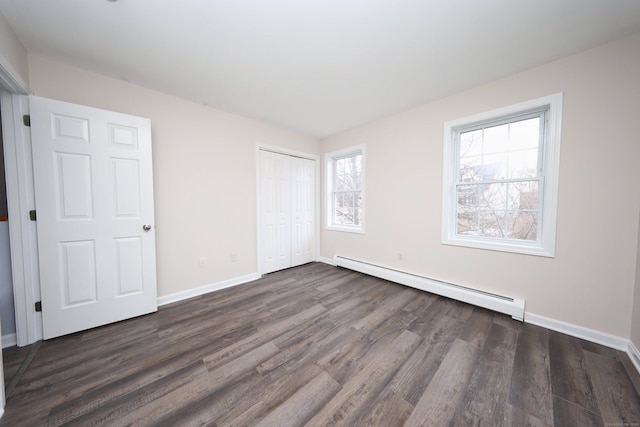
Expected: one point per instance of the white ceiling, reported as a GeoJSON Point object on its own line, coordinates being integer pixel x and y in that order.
{"type": "Point", "coordinates": [315, 66]}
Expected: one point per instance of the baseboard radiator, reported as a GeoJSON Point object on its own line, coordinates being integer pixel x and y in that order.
{"type": "Point", "coordinates": [502, 304]}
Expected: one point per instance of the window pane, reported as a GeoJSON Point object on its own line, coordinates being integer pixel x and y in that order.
{"type": "Point", "coordinates": [470, 168]}
{"type": "Point", "coordinates": [467, 222]}
{"type": "Point", "coordinates": [471, 143]}
{"type": "Point", "coordinates": [494, 166]}
{"type": "Point", "coordinates": [492, 196]}
{"type": "Point", "coordinates": [348, 209]}
{"type": "Point", "coordinates": [524, 134]}
{"type": "Point", "coordinates": [496, 138]}
{"type": "Point", "coordinates": [523, 164]}
{"type": "Point", "coordinates": [523, 195]}
{"type": "Point", "coordinates": [523, 225]}
{"type": "Point", "coordinates": [338, 206]}
{"type": "Point", "coordinates": [467, 196]}
{"type": "Point", "coordinates": [347, 216]}
{"type": "Point", "coordinates": [491, 223]}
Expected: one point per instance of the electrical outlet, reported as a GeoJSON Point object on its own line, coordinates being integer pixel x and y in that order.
{"type": "Point", "coordinates": [400, 256]}
{"type": "Point", "coordinates": [234, 257]}
{"type": "Point", "coordinates": [202, 262]}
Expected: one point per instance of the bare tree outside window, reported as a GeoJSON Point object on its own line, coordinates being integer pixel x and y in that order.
{"type": "Point", "coordinates": [498, 180]}
{"type": "Point", "coordinates": [347, 190]}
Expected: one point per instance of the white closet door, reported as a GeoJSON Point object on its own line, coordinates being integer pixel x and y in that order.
{"type": "Point", "coordinates": [275, 189]}
{"type": "Point", "coordinates": [287, 211]}
{"type": "Point", "coordinates": [303, 210]}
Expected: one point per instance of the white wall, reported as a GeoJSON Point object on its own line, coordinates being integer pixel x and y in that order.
{"type": "Point", "coordinates": [13, 56]}
{"type": "Point", "coordinates": [204, 172]}
{"type": "Point", "coordinates": [591, 280]}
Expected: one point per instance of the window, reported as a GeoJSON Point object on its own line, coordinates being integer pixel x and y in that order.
{"type": "Point", "coordinates": [345, 190]}
{"type": "Point", "coordinates": [501, 178]}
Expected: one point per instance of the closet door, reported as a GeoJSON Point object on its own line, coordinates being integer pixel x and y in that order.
{"type": "Point", "coordinates": [275, 214]}
{"type": "Point", "coordinates": [287, 211]}
{"type": "Point", "coordinates": [302, 211]}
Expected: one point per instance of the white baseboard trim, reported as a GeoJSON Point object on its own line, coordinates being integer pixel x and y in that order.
{"type": "Point", "coordinates": [577, 331]}
{"type": "Point", "coordinates": [9, 340]}
{"type": "Point", "coordinates": [587, 334]}
{"type": "Point", "coordinates": [326, 261]}
{"type": "Point", "coordinates": [179, 296]}
{"type": "Point", "coordinates": [634, 355]}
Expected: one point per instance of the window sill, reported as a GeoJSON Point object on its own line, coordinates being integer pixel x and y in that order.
{"type": "Point", "coordinates": [345, 228]}
{"type": "Point", "coordinates": [501, 246]}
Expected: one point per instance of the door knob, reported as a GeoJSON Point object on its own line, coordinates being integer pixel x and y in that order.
{"type": "Point", "coordinates": [146, 227]}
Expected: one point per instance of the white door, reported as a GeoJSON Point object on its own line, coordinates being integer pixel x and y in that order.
{"type": "Point", "coordinates": [287, 211]}
{"type": "Point", "coordinates": [94, 202]}
{"type": "Point", "coordinates": [275, 185]}
{"type": "Point", "coordinates": [302, 211]}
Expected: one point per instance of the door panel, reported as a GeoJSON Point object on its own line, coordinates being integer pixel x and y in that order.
{"type": "Point", "coordinates": [94, 192]}
{"type": "Point", "coordinates": [303, 210]}
{"type": "Point", "coordinates": [287, 211]}
{"type": "Point", "coordinates": [275, 215]}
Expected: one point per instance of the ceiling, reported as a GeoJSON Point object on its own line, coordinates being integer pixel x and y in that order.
{"type": "Point", "coordinates": [315, 66]}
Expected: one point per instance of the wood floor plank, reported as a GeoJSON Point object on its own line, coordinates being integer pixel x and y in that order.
{"type": "Point", "coordinates": [350, 403]}
{"type": "Point", "coordinates": [530, 389]}
{"type": "Point", "coordinates": [383, 312]}
{"type": "Point", "coordinates": [349, 360]}
{"type": "Point", "coordinates": [634, 374]}
{"type": "Point", "coordinates": [439, 402]}
{"type": "Point", "coordinates": [569, 378]}
{"type": "Point", "coordinates": [514, 416]}
{"type": "Point", "coordinates": [567, 413]}
{"type": "Point", "coordinates": [617, 399]}
{"type": "Point", "coordinates": [261, 337]}
{"type": "Point", "coordinates": [488, 390]}
{"type": "Point", "coordinates": [221, 374]}
{"type": "Point", "coordinates": [433, 320]}
{"type": "Point", "coordinates": [476, 328]}
{"type": "Point", "coordinates": [389, 410]}
{"type": "Point", "coordinates": [318, 345]}
{"type": "Point", "coordinates": [300, 407]}
{"type": "Point", "coordinates": [211, 406]}
{"type": "Point", "coordinates": [413, 377]}
{"type": "Point", "coordinates": [142, 406]}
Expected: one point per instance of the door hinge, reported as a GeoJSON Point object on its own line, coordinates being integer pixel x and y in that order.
{"type": "Point", "coordinates": [26, 119]}
{"type": "Point", "coordinates": [32, 215]}
{"type": "Point", "coordinates": [38, 306]}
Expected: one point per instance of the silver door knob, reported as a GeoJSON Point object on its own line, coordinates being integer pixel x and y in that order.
{"type": "Point", "coordinates": [146, 227]}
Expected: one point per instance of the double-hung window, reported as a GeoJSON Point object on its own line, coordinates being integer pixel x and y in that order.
{"type": "Point", "coordinates": [501, 177]}
{"type": "Point", "coordinates": [345, 189]}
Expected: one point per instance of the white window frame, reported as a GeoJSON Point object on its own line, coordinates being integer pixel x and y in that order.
{"type": "Point", "coordinates": [546, 242]}
{"type": "Point", "coordinates": [329, 161]}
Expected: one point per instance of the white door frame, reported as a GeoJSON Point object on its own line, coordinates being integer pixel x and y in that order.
{"type": "Point", "coordinates": [20, 200]}
{"type": "Point", "coordinates": [22, 231]}
{"type": "Point", "coordinates": [281, 150]}
{"type": "Point", "coordinates": [12, 87]}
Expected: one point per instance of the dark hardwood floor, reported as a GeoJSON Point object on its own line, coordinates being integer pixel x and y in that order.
{"type": "Point", "coordinates": [318, 345]}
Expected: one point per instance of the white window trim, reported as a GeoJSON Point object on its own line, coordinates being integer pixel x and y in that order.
{"type": "Point", "coordinates": [328, 173]}
{"type": "Point", "coordinates": [546, 244]}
